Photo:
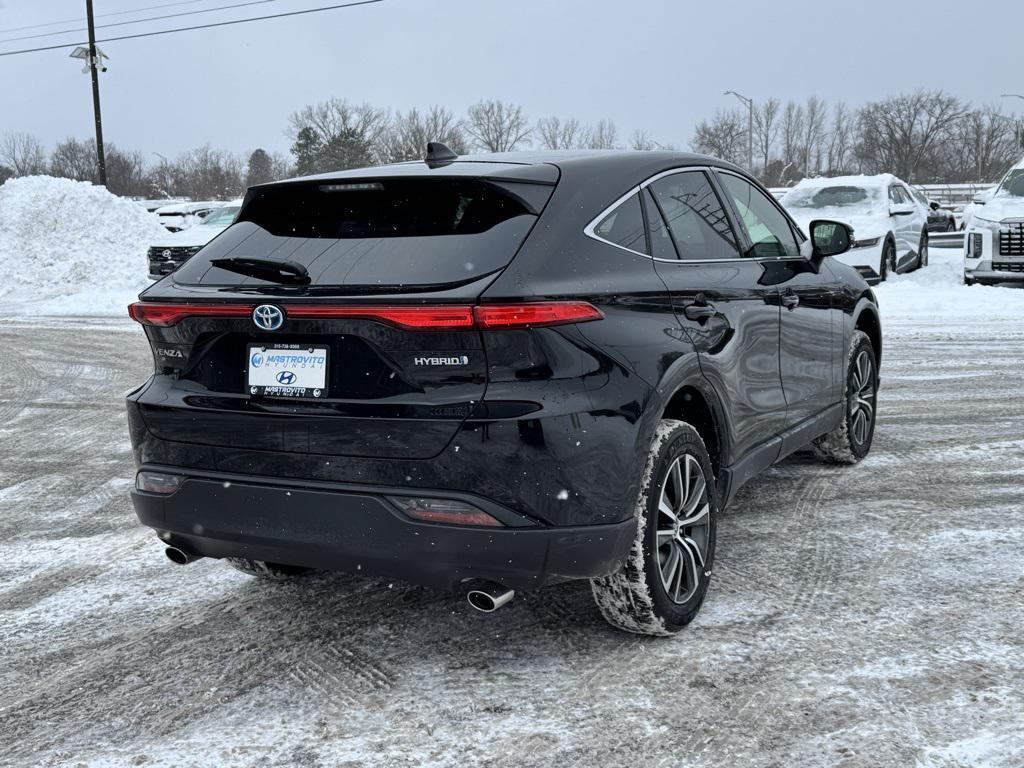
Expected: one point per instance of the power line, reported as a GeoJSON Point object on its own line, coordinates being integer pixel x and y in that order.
{"type": "Point", "coordinates": [139, 21]}
{"type": "Point", "coordinates": [199, 26]}
{"type": "Point", "coordinates": [101, 16]}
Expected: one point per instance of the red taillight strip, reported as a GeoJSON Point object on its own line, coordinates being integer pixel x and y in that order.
{"type": "Point", "coordinates": [414, 317]}
{"type": "Point", "coordinates": [496, 316]}
{"type": "Point", "coordinates": [422, 318]}
{"type": "Point", "coordinates": [151, 313]}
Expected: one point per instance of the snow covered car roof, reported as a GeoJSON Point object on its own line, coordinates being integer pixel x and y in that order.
{"type": "Point", "coordinates": [877, 181]}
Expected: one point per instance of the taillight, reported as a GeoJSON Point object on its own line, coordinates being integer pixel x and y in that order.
{"type": "Point", "coordinates": [423, 317]}
{"type": "Point", "coordinates": [150, 313]}
{"type": "Point", "coordinates": [416, 318]}
{"type": "Point", "coordinates": [495, 316]}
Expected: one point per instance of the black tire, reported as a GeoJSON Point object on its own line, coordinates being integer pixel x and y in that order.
{"type": "Point", "coordinates": [636, 598]}
{"type": "Point", "coordinates": [264, 570]}
{"type": "Point", "coordinates": [922, 250]}
{"type": "Point", "coordinates": [888, 261]}
{"type": "Point", "coordinates": [851, 440]}
{"type": "Point", "coordinates": [968, 280]}
{"type": "Point", "coordinates": [951, 226]}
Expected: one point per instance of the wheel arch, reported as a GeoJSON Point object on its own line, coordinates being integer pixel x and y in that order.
{"type": "Point", "coordinates": [696, 404]}
{"type": "Point", "coordinates": [867, 320]}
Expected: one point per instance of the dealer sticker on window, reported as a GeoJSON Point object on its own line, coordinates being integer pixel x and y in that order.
{"type": "Point", "coordinates": [286, 370]}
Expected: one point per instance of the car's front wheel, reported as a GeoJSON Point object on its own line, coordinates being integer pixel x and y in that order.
{"type": "Point", "coordinates": [662, 584]}
{"type": "Point", "coordinates": [851, 440]}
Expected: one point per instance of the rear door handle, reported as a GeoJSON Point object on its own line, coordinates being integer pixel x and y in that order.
{"type": "Point", "coordinates": [700, 309]}
{"type": "Point", "coordinates": [790, 300]}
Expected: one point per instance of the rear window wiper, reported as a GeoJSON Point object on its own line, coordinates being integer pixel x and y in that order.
{"type": "Point", "coordinates": [284, 272]}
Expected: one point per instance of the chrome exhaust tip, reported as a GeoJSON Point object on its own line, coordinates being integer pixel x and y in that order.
{"type": "Point", "coordinates": [180, 556]}
{"type": "Point", "coordinates": [488, 597]}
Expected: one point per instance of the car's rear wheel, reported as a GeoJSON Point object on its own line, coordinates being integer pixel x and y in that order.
{"type": "Point", "coordinates": [662, 584]}
{"type": "Point", "coordinates": [888, 261]}
{"type": "Point", "coordinates": [851, 440]}
{"type": "Point", "coordinates": [264, 570]}
{"type": "Point", "coordinates": [951, 226]}
{"type": "Point", "coordinates": [922, 250]}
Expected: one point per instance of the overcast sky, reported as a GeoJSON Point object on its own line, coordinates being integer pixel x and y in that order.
{"type": "Point", "coordinates": [655, 64]}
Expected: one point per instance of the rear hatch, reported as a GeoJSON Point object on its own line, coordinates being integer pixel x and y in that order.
{"type": "Point", "coordinates": [368, 346]}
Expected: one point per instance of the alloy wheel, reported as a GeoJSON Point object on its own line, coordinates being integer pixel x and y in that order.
{"type": "Point", "coordinates": [862, 397]}
{"type": "Point", "coordinates": [684, 513]}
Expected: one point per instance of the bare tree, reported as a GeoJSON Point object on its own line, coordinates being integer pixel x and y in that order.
{"type": "Point", "coordinates": [205, 173]}
{"type": "Point", "coordinates": [839, 140]}
{"type": "Point", "coordinates": [984, 143]}
{"type": "Point", "coordinates": [766, 131]}
{"type": "Point", "coordinates": [724, 136]}
{"type": "Point", "coordinates": [814, 130]}
{"type": "Point", "coordinates": [603, 135]}
{"type": "Point", "coordinates": [553, 133]}
{"type": "Point", "coordinates": [406, 136]}
{"type": "Point", "coordinates": [496, 126]}
{"type": "Point", "coordinates": [22, 154]}
{"type": "Point", "coordinates": [792, 131]}
{"type": "Point", "coordinates": [335, 123]}
{"type": "Point", "coordinates": [73, 159]}
{"type": "Point", "coordinates": [899, 133]}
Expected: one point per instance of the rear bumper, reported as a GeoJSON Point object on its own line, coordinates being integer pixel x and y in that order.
{"type": "Point", "coordinates": [334, 526]}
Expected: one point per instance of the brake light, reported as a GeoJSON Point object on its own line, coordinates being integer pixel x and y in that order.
{"type": "Point", "coordinates": [422, 317]}
{"type": "Point", "coordinates": [415, 318]}
{"type": "Point", "coordinates": [149, 313]}
{"type": "Point", "coordinates": [493, 316]}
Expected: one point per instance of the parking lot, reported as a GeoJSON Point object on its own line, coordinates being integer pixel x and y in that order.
{"type": "Point", "coordinates": [865, 616]}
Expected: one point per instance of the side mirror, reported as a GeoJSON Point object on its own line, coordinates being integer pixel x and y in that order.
{"type": "Point", "coordinates": [934, 206]}
{"type": "Point", "coordinates": [830, 238]}
{"type": "Point", "coordinates": [978, 200]}
{"type": "Point", "coordinates": [902, 209]}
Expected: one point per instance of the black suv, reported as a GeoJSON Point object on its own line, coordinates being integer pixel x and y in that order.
{"type": "Point", "coordinates": [498, 372]}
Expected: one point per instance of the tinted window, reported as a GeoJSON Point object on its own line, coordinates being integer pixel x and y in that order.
{"type": "Point", "coordinates": [391, 234]}
{"type": "Point", "coordinates": [624, 226]}
{"type": "Point", "coordinates": [766, 226]}
{"type": "Point", "coordinates": [657, 231]}
{"type": "Point", "coordinates": [695, 217]}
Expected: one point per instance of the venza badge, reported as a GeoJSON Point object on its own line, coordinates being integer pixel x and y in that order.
{"type": "Point", "coordinates": [268, 317]}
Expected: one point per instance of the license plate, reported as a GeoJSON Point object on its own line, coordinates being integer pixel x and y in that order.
{"type": "Point", "coordinates": [286, 370]}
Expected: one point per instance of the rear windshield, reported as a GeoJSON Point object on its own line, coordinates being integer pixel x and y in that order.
{"type": "Point", "coordinates": [389, 233]}
{"type": "Point", "coordinates": [826, 197]}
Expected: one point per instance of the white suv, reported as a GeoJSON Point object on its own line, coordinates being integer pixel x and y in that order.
{"type": "Point", "coordinates": [994, 238]}
{"type": "Point", "coordinates": [890, 228]}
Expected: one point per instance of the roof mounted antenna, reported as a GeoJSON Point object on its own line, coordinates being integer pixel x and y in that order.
{"type": "Point", "coordinates": [439, 155]}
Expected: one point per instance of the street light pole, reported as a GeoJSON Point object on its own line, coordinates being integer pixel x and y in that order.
{"type": "Point", "coordinates": [94, 66]}
{"type": "Point", "coordinates": [1020, 126]}
{"type": "Point", "coordinates": [750, 126]}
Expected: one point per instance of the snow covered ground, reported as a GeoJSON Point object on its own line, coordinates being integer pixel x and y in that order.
{"type": "Point", "coordinates": [865, 616]}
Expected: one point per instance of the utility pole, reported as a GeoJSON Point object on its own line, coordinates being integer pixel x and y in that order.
{"type": "Point", "coordinates": [750, 127]}
{"type": "Point", "coordinates": [94, 66]}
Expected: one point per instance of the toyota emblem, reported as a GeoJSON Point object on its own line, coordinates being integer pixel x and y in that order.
{"type": "Point", "coordinates": [268, 317]}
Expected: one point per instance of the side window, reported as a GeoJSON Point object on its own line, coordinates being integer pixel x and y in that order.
{"type": "Point", "coordinates": [624, 226]}
{"type": "Point", "coordinates": [658, 235]}
{"type": "Point", "coordinates": [767, 227]}
{"type": "Point", "coordinates": [696, 220]}
{"type": "Point", "coordinates": [896, 195]}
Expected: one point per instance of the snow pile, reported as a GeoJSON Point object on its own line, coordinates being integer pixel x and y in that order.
{"type": "Point", "coordinates": [936, 295]}
{"type": "Point", "coordinates": [71, 248]}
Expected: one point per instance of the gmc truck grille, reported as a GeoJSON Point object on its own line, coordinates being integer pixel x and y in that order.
{"type": "Point", "coordinates": [1011, 240]}
{"type": "Point", "coordinates": [1008, 266]}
